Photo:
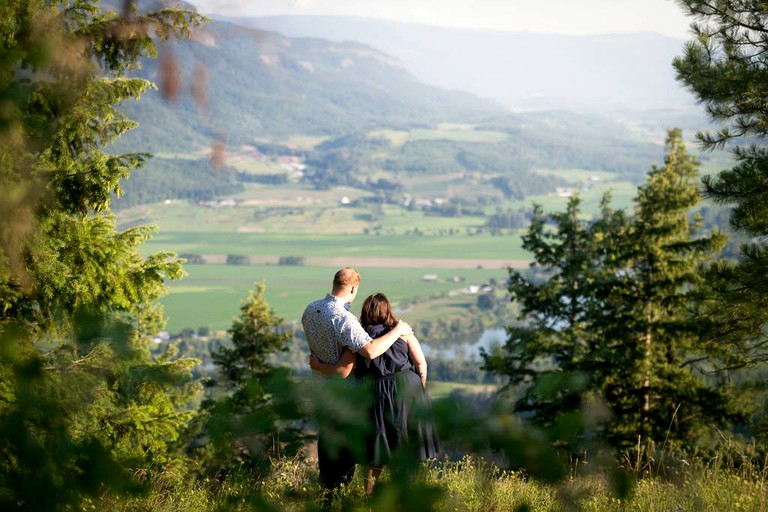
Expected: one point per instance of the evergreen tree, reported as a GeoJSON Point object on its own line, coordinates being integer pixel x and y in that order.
{"type": "Point", "coordinates": [607, 316]}
{"type": "Point", "coordinates": [81, 399]}
{"type": "Point", "coordinates": [725, 68]}
{"type": "Point", "coordinates": [554, 353]}
{"type": "Point", "coordinates": [242, 417]}
{"type": "Point", "coordinates": [656, 390]}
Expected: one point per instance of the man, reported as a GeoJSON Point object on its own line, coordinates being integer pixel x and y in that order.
{"type": "Point", "coordinates": [330, 327]}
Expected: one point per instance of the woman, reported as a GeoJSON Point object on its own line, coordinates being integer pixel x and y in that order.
{"type": "Point", "coordinates": [399, 378]}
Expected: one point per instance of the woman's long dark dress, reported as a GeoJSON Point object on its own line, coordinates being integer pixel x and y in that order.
{"type": "Point", "coordinates": [401, 406]}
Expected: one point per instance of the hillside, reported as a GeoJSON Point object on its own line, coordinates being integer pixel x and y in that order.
{"type": "Point", "coordinates": [523, 70]}
{"type": "Point", "coordinates": [356, 113]}
{"type": "Point", "coordinates": [263, 84]}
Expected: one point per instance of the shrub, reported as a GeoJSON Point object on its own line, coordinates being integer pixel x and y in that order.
{"type": "Point", "coordinates": [238, 259]}
{"type": "Point", "coordinates": [193, 259]}
{"type": "Point", "coordinates": [296, 261]}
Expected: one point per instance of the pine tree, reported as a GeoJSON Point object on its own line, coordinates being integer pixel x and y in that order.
{"type": "Point", "coordinates": [554, 352]}
{"type": "Point", "coordinates": [725, 68]}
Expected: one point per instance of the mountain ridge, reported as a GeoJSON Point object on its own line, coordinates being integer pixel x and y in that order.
{"type": "Point", "coordinates": [631, 70]}
{"type": "Point", "coordinates": [265, 86]}
{"type": "Point", "coordinates": [298, 86]}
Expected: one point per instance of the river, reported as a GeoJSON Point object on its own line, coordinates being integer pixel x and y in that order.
{"type": "Point", "coordinates": [487, 339]}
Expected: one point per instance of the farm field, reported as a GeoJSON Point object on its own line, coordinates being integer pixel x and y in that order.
{"type": "Point", "coordinates": [210, 296]}
{"type": "Point", "coordinates": [279, 210]}
{"type": "Point", "coordinates": [480, 247]}
{"type": "Point", "coordinates": [296, 206]}
{"type": "Point", "coordinates": [392, 245]}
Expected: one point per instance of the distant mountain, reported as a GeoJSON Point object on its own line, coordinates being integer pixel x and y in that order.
{"type": "Point", "coordinates": [520, 69]}
{"type": "Point", "coordinates": [263, 84]}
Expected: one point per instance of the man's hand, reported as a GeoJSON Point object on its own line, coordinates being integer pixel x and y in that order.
{"type": "Point", "coordinates": [403, 329]}
{"type": "Point", "coordinates": [343, 366]}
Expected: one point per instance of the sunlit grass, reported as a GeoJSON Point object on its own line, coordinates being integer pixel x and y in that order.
{"type": "Point", "coordinates": [296, 141]}
{"type": "Point", "coordinates": [469, 484]}
{"type": "Point", "coordinates": [458, 135]}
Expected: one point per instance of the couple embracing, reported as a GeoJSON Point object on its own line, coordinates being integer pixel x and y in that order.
{"type": "Point", "coordinates": [381, 352]}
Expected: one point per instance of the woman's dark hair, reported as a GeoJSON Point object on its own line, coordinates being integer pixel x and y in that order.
{"type": "Point", "coordinates": [377, 310]}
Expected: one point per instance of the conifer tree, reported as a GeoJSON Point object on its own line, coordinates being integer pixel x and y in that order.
{"type": "Point", "coordinates": [81, 399]}
{"type": "Point", "coordinates": [724, 66]}
{"type": "Point", "coordinates": [551, 351]}
{"type": "Point", "coordinates": [657, 345]}
{"type": "Point", "coordinates": [242, 419]}
{"type": "Point", "coordinates": [607, 316]}
{"type": "Point", "coordinates": [554, 354]}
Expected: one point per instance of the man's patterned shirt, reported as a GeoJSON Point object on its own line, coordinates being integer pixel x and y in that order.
{"type": "Point", "coordinates": [329, 327]}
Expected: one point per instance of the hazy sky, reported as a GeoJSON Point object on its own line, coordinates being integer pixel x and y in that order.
{"type": "Point", "coordinates": [555, 16]}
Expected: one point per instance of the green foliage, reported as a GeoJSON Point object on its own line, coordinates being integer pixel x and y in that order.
{"type": "Point", "coordinates": [193, 180]}
{"type": "Point", "coordinates": [49, 461]}
{"type": "Point", "coordinates": [86, 413]}
{"type": "Point", "coordinates": [725, 69]}
{"type": "Point", "coordinates": [485, 301]}
{"type": "Point", "coordinates": [84, 405]}
{"type": "Point", "coordinates": [294, 261]}
{"type": "Point", "coordinates": [255, 336]}
{"type": "Point", "coordinates": [723, 65]}
{"type": "Point", "coordinates": [550, 354]}
{"type": "Point", "coordinates": [664, 260]}
{"type": "Point", "coordinates": [506, 219]}
{"type": "Point", "coordinates": [192, 259]}
{"type": "Point", "coordinates": [607, 319]}
{"type": "Point", "coordinates": [242, 416]}
{"type": "Point", "coordinates": [565, 140]}
{"type": "Point", "coordinates": [53, 156]}
{"type": "Point", "coordinates": [238, 259]}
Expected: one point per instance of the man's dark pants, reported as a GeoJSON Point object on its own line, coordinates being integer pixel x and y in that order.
{"type": "Point", "coordinates": [337, 464]}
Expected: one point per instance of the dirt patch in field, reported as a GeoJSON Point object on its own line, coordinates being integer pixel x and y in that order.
{"type": "Point", "coordinates": [251, 229]}
{"type": "Point", "coordinates": [426, 263]}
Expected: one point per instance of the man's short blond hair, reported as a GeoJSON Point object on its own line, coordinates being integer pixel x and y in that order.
{"type": "Point", "coordinates": [345, 277]}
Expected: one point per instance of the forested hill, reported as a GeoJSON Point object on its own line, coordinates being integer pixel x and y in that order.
{"type": "Point", "coordinates": [263, 84]}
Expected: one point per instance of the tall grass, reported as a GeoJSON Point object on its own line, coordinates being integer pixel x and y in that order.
{"type": "Point", "coordinates": [468, 484]}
